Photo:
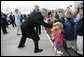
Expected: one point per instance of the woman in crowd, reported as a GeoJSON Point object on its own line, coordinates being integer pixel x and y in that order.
{"type": "Point", "coordinates": [17, 20]}
{"type": "Point", "coordinates": [69, 29]}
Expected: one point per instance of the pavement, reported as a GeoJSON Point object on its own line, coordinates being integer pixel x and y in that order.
{"type": "Point", "coordinates": [10, 41]}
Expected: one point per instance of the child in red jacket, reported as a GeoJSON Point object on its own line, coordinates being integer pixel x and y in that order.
{"type": "Point", "coordinates": [58, 37]}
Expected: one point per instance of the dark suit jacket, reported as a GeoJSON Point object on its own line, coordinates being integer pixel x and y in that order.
{"type": "Point", "coordinates": [3, 19]}
{"type": "Point", "coordinates": [80, 27]}
{"type": "Point", "coordinates": [12, 18]}
{"type": "Point", "coordinates": [33, 20]}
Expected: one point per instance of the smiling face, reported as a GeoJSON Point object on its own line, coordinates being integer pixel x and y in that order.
{"type": "Point", "coordinates": [68, 14]}
{"type": "Point", "coordinates": [58, 25]}
{"type": "Point", "coordinates": [44, 12]}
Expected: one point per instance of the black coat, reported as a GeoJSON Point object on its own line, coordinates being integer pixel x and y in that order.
{"type": "Point", "coordinates": [80, 27]}
{"type": "Point", "coordinates": [12, 18]}
{"type": "Point", "coordinates": [3, 19]}
{"type": "Point", "coordinates": [33, 20]}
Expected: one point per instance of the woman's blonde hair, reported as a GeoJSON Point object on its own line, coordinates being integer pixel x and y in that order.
{"type": "Point", "coordinates": [61, 26]}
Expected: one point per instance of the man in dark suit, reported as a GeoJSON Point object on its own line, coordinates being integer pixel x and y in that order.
{"type": "Point", "coordinates": [38, 28]}
{"type": "Point", "coordinates": [12, 19]}
{"type": "Point", "coordinates": [27, 28]}
{"type": "Point", "coordinates": [3, 23]}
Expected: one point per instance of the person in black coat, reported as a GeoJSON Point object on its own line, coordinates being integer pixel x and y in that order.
{"type": "Point", "coordinates": [12, 19]}
{"type": "Point", "coordinates": [3, 23]}
{"type": "Point", "coordinates": [80, 36]}
{"type": "Point", "coordinates": [80, 27]}
{"type": "Point", "coordinates": [38, 28]}
{"type": "Point", "coordinates": [6, 20]}
{"type": "Point", "coordinates": [27, 28]}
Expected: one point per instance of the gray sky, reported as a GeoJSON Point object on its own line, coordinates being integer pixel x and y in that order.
{"type": "Point", "coordinates": [24, 6]}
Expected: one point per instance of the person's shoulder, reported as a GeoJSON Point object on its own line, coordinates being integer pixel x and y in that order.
{"type": "Point", "coordinates": [35, 12]}
{"type": "Point", "coordinates": [80, 21]}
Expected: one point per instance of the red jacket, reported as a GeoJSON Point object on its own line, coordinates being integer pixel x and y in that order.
{"type": "Point", "coordinates": [58, 40]}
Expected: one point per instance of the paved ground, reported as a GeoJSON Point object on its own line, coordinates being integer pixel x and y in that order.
{"type": "Point", "coordinates": [10, 41]}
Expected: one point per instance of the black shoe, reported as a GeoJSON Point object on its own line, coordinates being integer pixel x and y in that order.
{"type": "Point", "coordinates": [79, 54]}
{"type": "Point", "coordinates": [6, 33]}
{"type": "Point", "coordinates": [18, 34]}
{"type": "Point", "coordinates": [21, 46]}
{"type": "Point", "coordinates": [39, 50]}
{"type": "Point", "coordinates": [39, 33]}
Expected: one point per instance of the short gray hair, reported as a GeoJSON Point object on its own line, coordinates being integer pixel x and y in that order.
{"type": "Point", "coordinates": [44, 10]}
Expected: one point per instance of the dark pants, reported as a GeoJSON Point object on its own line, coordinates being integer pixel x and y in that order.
{"type": "Point", "coordinates": [7, 25]}
{"type": "Point", "coordinates": [60, 48]}
{"type": "Point", "coordinates": [13, 23]}
{"type": "Point", "coordinates": [24, 37]}
{"type": "Point", "coordinates": [75, 30]}
{"type": "Point", "coordinates": [23, 40]}
{"type": "Point", "coordinates": [38, 29]}
{"type": "Point", "coordinates": [4, 28]}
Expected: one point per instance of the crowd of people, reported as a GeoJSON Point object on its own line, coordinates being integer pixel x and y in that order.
{"type": "Point", "coordinates": [60, 25]}
{"type": "Point", "coordinates": [67, 26]}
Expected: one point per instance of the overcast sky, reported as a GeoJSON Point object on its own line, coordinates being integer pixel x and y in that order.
{"type": "Point", "coordinates": [29, 5]}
